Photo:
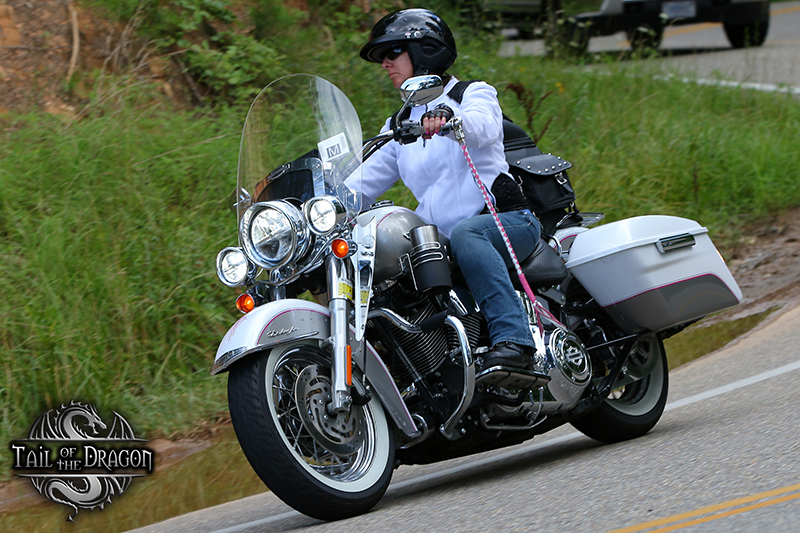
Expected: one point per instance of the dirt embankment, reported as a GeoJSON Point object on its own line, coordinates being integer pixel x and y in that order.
{"type": "Point", "coordinates": [767, 265]}
{"type": "Point", "coordinates": [36, 49]}
{"type": "Point", "coordinates": [52, 50]}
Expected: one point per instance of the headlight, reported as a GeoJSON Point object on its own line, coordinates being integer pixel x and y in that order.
{"type": "Point", "coordinates": [233, 267]}
{"type": "Point", "coordinates": [273, 233]}
{"type": "Point", "coordinates": [323, 213]}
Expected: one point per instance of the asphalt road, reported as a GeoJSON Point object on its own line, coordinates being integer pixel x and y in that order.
{"type": "Point", "coordinates": [702, 51]}
{"type": "Point", "coordinates": [725, 457]}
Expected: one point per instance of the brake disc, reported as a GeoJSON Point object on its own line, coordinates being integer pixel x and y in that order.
{"type": "Point", "coordinates": [340, 434]}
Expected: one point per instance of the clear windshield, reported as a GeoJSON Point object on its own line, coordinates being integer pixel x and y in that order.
{"type": "Point", "coordinates": [302, 138]}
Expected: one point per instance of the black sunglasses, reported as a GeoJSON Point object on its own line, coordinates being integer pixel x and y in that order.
{"type": "Point", "coordinates": [394, 52]}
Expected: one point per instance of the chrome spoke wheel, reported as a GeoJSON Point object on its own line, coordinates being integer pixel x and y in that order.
{"type": "Point", "coordinates": [340, 447]}
{"type": "Point", "coordinates": [326, 466]}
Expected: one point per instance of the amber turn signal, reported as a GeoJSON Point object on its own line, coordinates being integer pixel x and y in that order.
{"type": "Point", "coordinates": [245, 303]}
{"type": "Point", "coordinates": [340, 248]}
{"type": "Point", "coordinates": [349, 375]}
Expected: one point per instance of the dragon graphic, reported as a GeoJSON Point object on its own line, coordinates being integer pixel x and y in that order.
{"type": "Point", "coordinates": [78, 422]}
{"type": "Point", "coordinates": [63, 424]}
{"type": "Point", "coordinates": [95, 492]}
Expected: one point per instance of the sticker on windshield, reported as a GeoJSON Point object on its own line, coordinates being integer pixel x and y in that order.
{"type": "Point", "coordinates": [333, 148]}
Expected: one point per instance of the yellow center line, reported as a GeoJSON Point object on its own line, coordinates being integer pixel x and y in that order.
{"type": "Point", "coordinates": [713, 508]}
{"type": "Point", "coordinates": [691, 28]}
{"type": "Point", "coordinates": [728, 513]}
{"type": "Point", "coordinates": [683, 30]}
{"type": "Point", "coordinates": [784, 10]}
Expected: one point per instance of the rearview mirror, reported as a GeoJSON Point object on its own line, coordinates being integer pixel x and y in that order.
{"type": "Point", "coordinates": [420, 90]}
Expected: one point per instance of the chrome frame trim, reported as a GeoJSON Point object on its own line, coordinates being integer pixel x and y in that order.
{"type": "Point", "coordinates": [395, 319]}
{"type": "Point", "coordinates": [228, 358]}
{"type": "Point", "coordinates": [448, 428]}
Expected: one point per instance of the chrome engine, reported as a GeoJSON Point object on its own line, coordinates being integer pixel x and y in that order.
{"type": "Point", "coordinates": [569, 367]}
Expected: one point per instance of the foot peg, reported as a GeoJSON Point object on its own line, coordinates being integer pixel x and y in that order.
{"type": "Point", "coordinates": [511, 378]}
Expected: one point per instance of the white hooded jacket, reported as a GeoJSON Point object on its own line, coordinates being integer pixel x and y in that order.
{"type": "Point", "coordinates": [435, 169]}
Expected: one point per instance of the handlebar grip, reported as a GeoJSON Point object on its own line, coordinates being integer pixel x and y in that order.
{"type": "Point", "coordinates": [450, 126]}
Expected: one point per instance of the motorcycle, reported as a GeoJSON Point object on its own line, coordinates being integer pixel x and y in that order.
{"type": "Point", "coordinates": [327, 399]}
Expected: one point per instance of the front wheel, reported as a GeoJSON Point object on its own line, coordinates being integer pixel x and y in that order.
{"type": "Point", "coordinates": [327, 467]}
{"type": "Point", "coordinates": [634, 409]}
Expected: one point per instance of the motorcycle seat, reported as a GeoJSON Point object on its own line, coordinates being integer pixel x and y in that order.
{"type": "Point", "coordinates": [543, 268]}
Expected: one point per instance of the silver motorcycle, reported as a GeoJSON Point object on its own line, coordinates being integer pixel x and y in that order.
{"type": "Point", "coordinates": [360, 348]}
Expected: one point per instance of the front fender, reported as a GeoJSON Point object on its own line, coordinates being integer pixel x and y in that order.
{"type": "Point", "coordinates": [286, 321]}
{"type": "Point", "coordinates": [270, 325]}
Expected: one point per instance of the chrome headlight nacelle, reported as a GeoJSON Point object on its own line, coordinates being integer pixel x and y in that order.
{"type": "Point", "coordinates": [274, 233]}
{"type": "Point", "coordinates": [233, 267]}
{"type": "Point", "coordinates": [323, 214]}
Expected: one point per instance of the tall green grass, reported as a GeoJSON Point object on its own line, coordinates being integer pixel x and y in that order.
{"type": "Point", "coordinates": [109, 225]}
{"type": "Point", "coordinates": [107, 254]}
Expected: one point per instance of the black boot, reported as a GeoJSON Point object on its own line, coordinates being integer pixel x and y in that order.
{"type": "Point", "coordinates": [508, 354]}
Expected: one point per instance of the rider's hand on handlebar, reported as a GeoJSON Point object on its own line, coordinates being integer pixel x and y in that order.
{"type": "Point", "coordinates": [432, 121]}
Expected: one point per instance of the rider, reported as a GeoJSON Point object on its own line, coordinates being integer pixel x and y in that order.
{"type": "Point", "coordinates": [414, 42]}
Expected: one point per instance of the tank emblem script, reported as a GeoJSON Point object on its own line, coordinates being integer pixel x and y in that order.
{"type": "Point", "coordinates": [73, 458]}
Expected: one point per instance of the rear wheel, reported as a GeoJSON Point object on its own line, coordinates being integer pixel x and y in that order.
{"type": "Point", "coordinates": [743, 35]}
{"type": "Point", "coordinates": [633, 409]}
{"type": "Point", "coordinates": [328, 467]}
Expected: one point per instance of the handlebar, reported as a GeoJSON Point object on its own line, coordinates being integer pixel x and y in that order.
{"type": "Point", "coordinates": [408, 132]}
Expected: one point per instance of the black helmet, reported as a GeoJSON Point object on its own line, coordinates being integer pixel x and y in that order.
{"type": "Point", "coordinates": [427, 38]}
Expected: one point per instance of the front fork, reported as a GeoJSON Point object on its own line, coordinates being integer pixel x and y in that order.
{"type": "Point", "coordinates": [349, 289]}
{"type": "Point", "coordinates": [340, 290]}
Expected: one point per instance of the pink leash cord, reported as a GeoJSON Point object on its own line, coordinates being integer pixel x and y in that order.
{"type": "Point", "coordinates": [537, 307]}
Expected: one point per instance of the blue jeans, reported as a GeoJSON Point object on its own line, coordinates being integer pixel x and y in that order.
{"type": "Point", "coordinates": [479, 250]}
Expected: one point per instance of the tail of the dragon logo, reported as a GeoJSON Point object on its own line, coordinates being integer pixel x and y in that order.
{"type": "Point", "coordinates": [96, 490]}
{"type": "Point", "coordinates": [79, 422]}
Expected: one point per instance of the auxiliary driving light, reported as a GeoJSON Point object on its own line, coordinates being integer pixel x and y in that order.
{"type": "Point", "coordinates": [233, 267]}
{"type": "Point", "coordinates": [323, 213]}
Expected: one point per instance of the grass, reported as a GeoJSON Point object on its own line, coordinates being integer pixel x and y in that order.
{"type": "Point", "coordinates": [697, 341]}
{"type": "Point", "coordinates": [109, 225]}
{"type": "Point", "coordinates": [107, 251]}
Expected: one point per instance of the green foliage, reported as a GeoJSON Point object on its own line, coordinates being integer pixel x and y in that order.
{"type": "Point", "coordinates": [237, 70]}
{"type": "Point", "coordinates": [209, 41]}
{"type": "Point", "coordinates": [121, 10]}
{"type": "Point", "coordinates": [108, 243]}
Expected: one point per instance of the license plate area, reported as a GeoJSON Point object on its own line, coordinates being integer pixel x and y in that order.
{"type": "Point", "coordinates": [684, 9]}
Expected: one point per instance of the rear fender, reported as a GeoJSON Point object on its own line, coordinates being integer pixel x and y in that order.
{"type": "Point", "coordinates": [288, 321]}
